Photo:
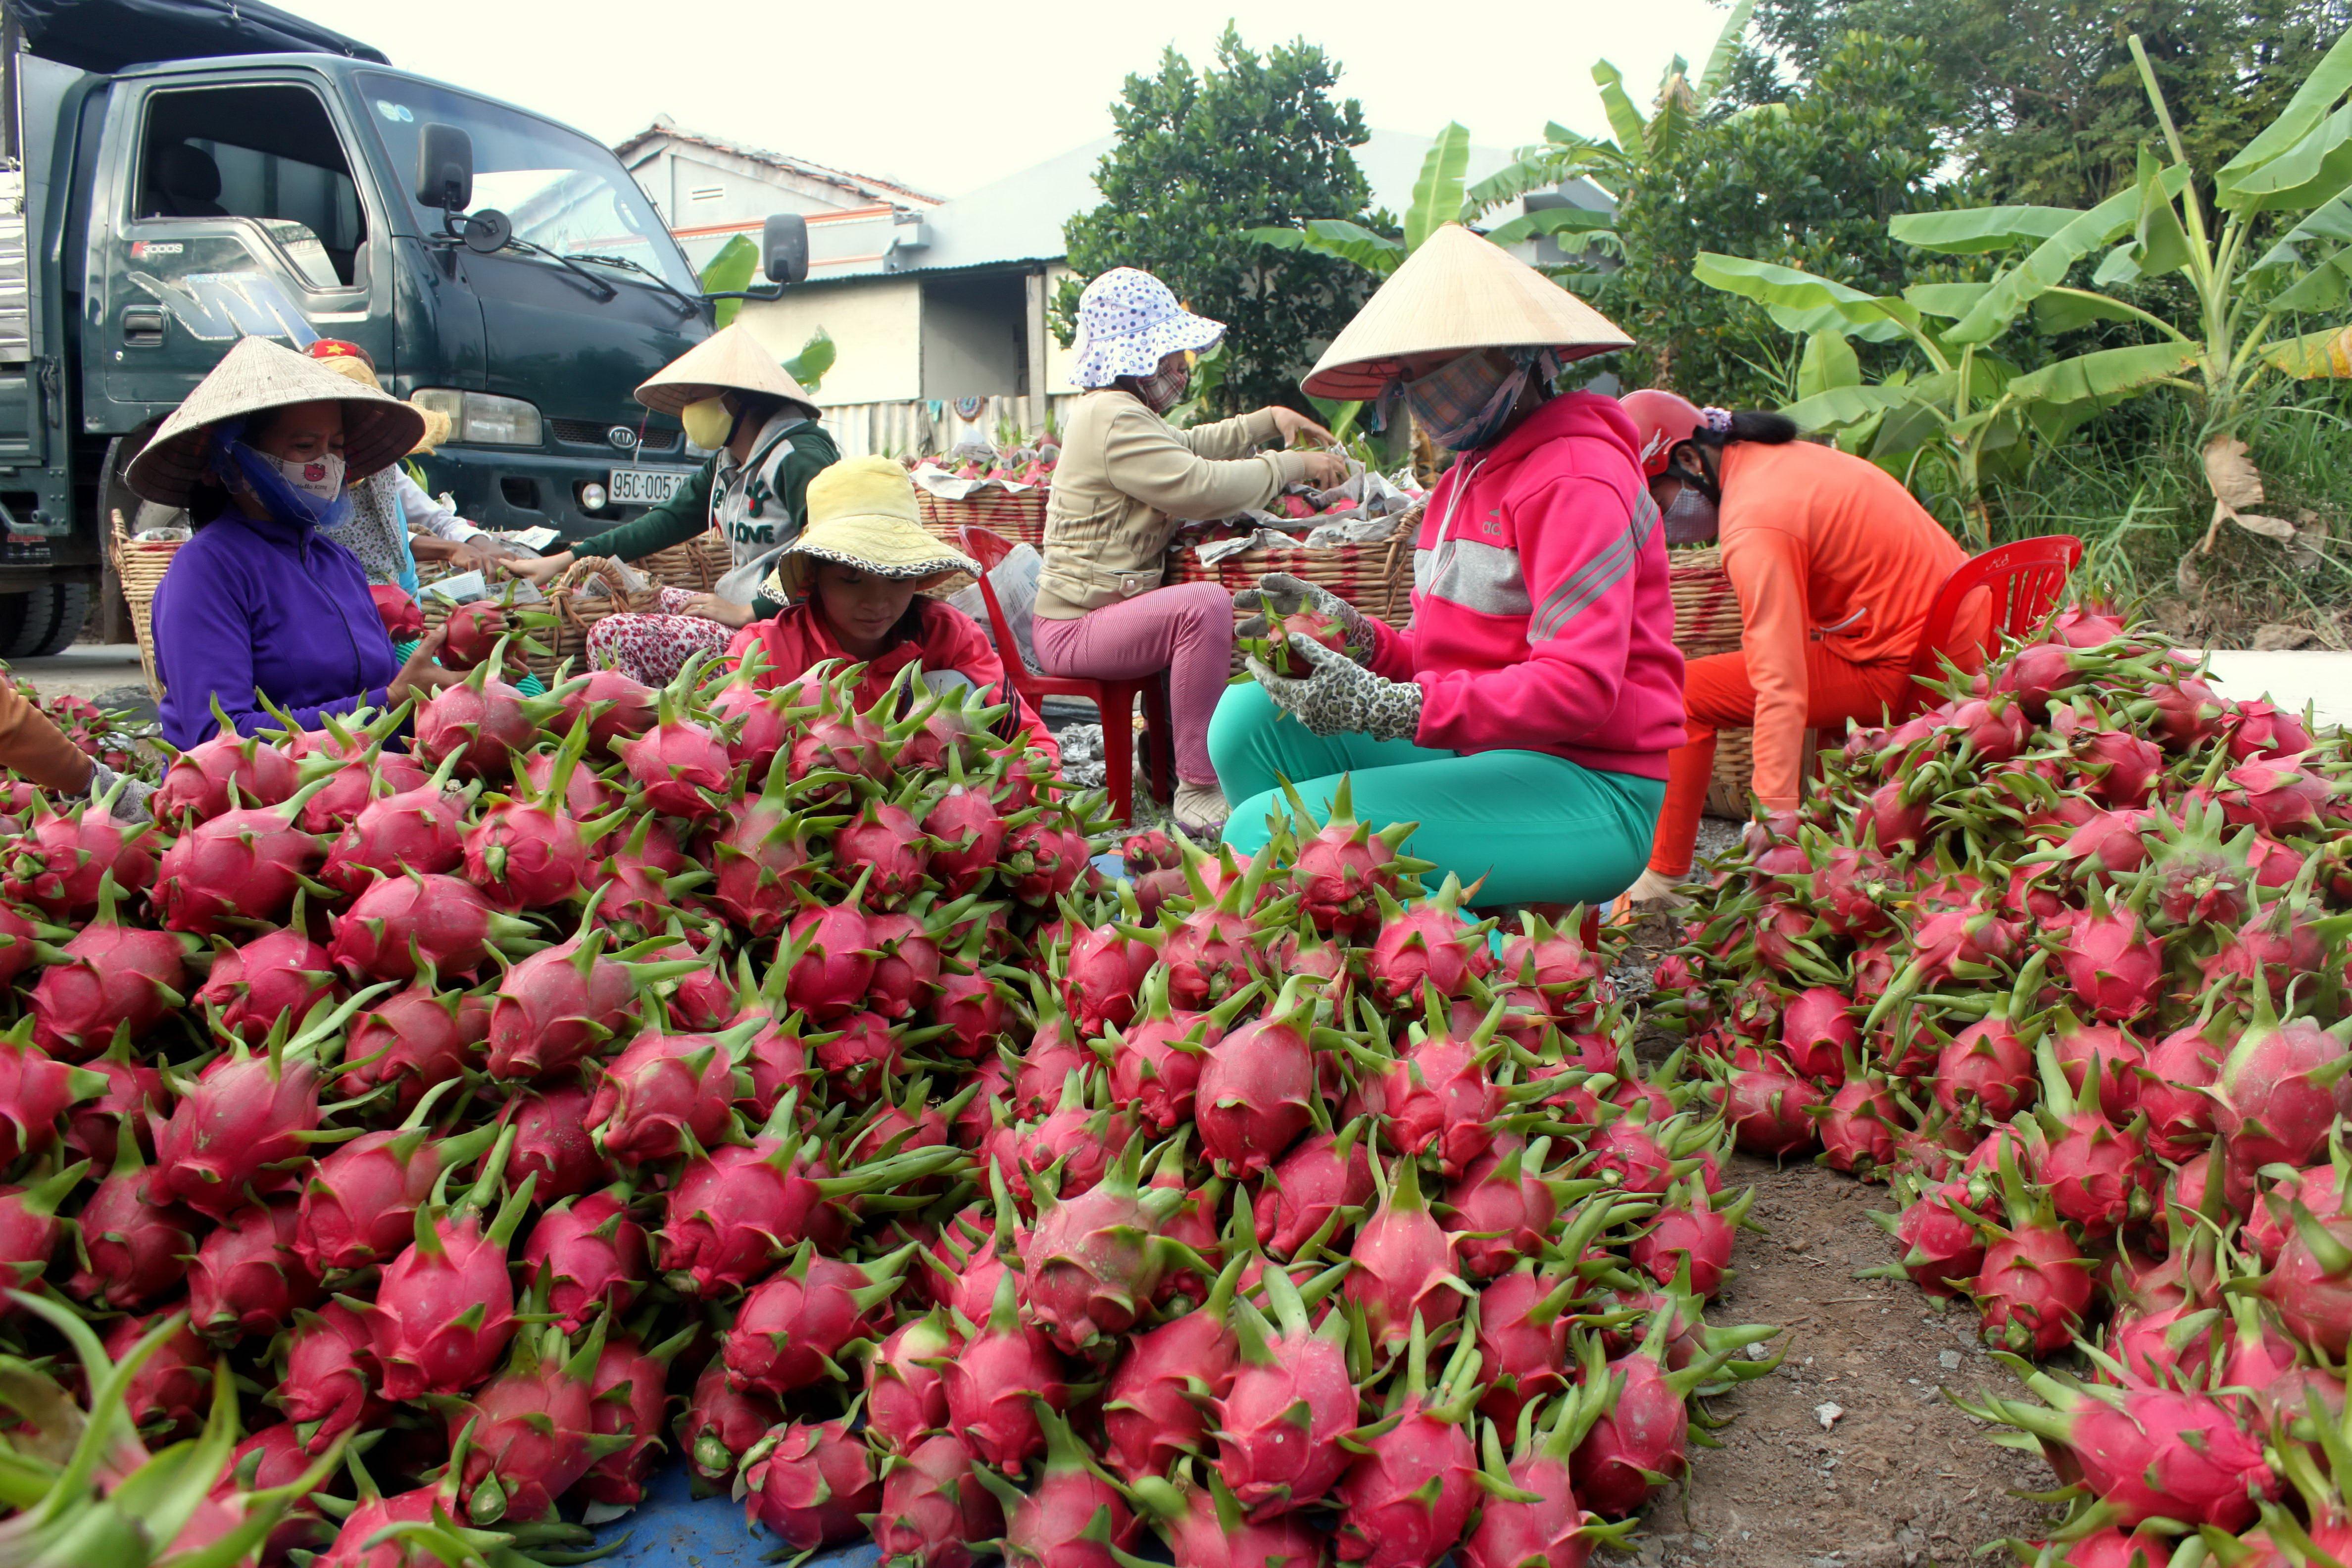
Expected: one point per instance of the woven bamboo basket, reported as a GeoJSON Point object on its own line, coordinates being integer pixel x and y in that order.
{"type": "Point", "coordinates": [1706, 622]}
{"type": "Point", "coordinates": [1018, 517]}
{"type": "Point", "coordinates": [576, 614]}
{"type": "Point", "coordinates": [141, 566]}
{"type": "Point", "coordinates": [1376, 578]}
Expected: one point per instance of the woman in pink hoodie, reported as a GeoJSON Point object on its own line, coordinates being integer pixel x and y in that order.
{"type": "Point", "coordinates": [1525, 720]}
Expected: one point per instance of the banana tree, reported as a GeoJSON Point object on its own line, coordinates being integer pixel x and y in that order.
{"type": "Point", "coordinates": [730, 271]}
{"type": "Point", "coordinates": [2158, 227]}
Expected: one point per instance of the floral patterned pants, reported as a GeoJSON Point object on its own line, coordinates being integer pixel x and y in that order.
{"type": "Point", "coordinates": [653, 646]}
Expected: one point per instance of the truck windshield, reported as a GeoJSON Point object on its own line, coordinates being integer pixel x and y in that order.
{"type": "Point", "coordinates": [565, 193]}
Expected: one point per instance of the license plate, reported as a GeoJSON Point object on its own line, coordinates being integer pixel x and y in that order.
{"type": "Point", "coordinates": [644, 487]}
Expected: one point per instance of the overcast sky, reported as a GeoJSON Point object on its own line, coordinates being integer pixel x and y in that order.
{"type": "Point", "coordinates": [948, 97]}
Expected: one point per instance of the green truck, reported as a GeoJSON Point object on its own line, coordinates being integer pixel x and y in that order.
{"type": "Point", "coordinates": [175, 174]}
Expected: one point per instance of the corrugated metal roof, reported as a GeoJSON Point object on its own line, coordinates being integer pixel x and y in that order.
{"type": "Point", "coordinates": [869, 186]}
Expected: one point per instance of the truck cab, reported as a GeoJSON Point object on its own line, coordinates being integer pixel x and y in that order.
{"type": "Point", "coordinates": [496, 265]}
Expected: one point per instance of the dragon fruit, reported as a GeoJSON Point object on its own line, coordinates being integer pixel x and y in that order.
{"type": "Point", "coordinates": [108, 976]}
{"type": "Point", "coordinates": [1312, 1187]}
{"type": "Point", "coordinates": [2146, 1453]}
{"type": "Point", "coordinates": [35, 1091]}
{"type": "Point", "coordinates": [1694, 1235]}
{"type": "Point", "coordinates": [57, 865]}
{"type": "Point", "coordinates": [629, 1400]}
{"type": "Point", "coordinates": [1943, 1252]}
{"type": "Point", "coordinates": [906, 1392]}
{"type": "Point", "coordinates": [246, 1278]}
{"type": "Point", "coordinates": [1533, 1516]}
{"type": "Point", "coordinates": [329, 1374]}
{"type": "Point", "coordinates": [1404, 1263]}
{"type": "Point", "coordinates": [1103, 982]}
{"type": "Point", "coordinates": [220, 775]}
{"type": "Point", "coordinates": [1639, 1440]}
{"type": "Point", "coordinates": [1074, 1517]}
{"type": "Point", "coordinates": [1769, 1106]}
{"type": "Point", "coordinates": [1257, 1087]}
{"type": "Point", "coordinates": [242, 1129]}
{"type": "Point", "coordinates": [1006, 1373]}
{"type": "Point", "coordinates": [413, 1039]}
{"type": "Point", "coordinates": [933, 1508]}
{"type": "Point", "coordinates": [1042, 860]}
{"type": "Point", "coordinates": [420, 830]}
{"type": "Point", "coordinates": [663, 1091]}
{"type": "Point", "coordinates": [1203, 1528]}
{"type": "Point", "coordinates": [1279, 1426]}
{"type": "Point", "coordinates": [531, 853]}
{"type": "Point", "coordinates": [402, 926]}
{"type": "Point", "coordinates": [1503, 1206]}
{"type": "Point", "coordinates": [1156, 1407]}
{"type": "Point", "coordinates": [828, 958]}
{"type": "Point", "coordinates": [1156, 1056]}
{"type": "Point", "coordinates": [1339, 870]}
{"type": "Point", "coordinates": [558, 1006]}
{"type": "Point", "coordinates": [2098, 1176]}
{"type": "Point", "coordinates": [359, 1204]}
{"type": "Point", "coordinates": [2280, 1089]}
{"type": "Point", "coordinates": [552, 1143]}
{"type": "Point", "coordinates": [282, 974]}
{"type": "Point", "coordinates": [792, 1327]}
{"type": "Point", "coordinates": [481, 722]}
{"type": "Point", "coordinates": [764, 858]}
{"type": "Point", "coordinates": [594, 1255]}
{"type": "Point", "coordinates": [445, 1308]}
{"type": "Point", "coordinates": [1430, 947]}
{"type": "Point", "coordinates": [29, 1227]}
{"type": "Point", "coordinates": [615, 707]}
{"type": "Point", "coordinates": [808, 1483]}
{"type": "Point", "coordinates": [133, 1251]}
{"type": "Point", "coordinates": [167, 1395]}
{"type": "Point", "coordinates": [241, 866]}
{"type": "Point", "coordinates": [2111, 962]}
{"type": "Point", "coordinates": [1093, 1259]}
{"type": "Point", "coordinates": [530, 1429]}
{"type": "Point", "coordinates": [719, 1425]}
{"type": "Point", "coordinates": [2035, 1286]}
{"type": "Point", "coordinates": [1409, 1491]}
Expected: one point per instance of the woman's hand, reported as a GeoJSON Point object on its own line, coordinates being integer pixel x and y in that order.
{"type": "Point", "coordinates": [1338, 696]}
{"type": "Point", "coordinates": [538, 570]}
{"type": "Point", "coordinates": [726, 612]}
{"type": "Point", "coordinates": [1278, 593]}
{"type": "Point", "coordinates": [1326, 469]}
{"type": "Point", "coordinates": [1290, 424]}
{"type": "Point", "coordinates": [421, 677]}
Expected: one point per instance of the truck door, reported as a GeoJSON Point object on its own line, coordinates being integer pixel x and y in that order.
{"type": "Point", "coordinates": [228, 207]}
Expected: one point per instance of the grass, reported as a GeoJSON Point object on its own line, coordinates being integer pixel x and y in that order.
{"type": "Point", "coordinates": [2131, 486]}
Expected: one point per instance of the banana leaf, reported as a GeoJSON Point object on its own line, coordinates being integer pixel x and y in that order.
{"type": "Point", "coordinates": [1720, 59]}
{"type": "Point", "coordinates": [1437, 194]}
{"type": "Point", "coordinates": [1948, 300]}
{"type": "Point", "coordinates": [1800, 303]}
{"type": "Point", "coordinates": [2326, 353]}
{"type": "Point", "coordinates": [730, 272]}
{"type": "Point", "coordinates": [2105, 372]}
{"type": "Point", "coordinates": [2324, 227]}
{"type": "Point", "coordinates": [2160, 245]}
{"type": "Point", "coordinates": [1335, 238]}
{"type": "Point", "coordinates": [2068, 310]}
{"type": "Point", "coordinates": [2306, 175]}
{"type": "Point", "coordinates": [1625, 121]}
{"type": "Point", "coordinates": [2303, 118]}
{"type": "Point", "coordinates": [809, 365]}
{"type": "Point", "coordinates": [1829, 363]}
{"type": "Point", "coordinates": [1974, 231]}
{"type": "Point", "coordinates": [1550, 221]}
{"type": "Point", "coordinates": [1836, 406]}
{"type": "Point", "coordinates": [2046, 266]}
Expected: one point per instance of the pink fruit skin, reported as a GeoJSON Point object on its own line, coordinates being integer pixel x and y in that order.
{"type": "Point", "coordinates": [1648, 1430]}
{"type": "Point", "coordinates": [678, 763]}
{"type": "Point", "coordinates": [138, 1250]}
{"type": "Point", "coordinates": [2033, 1290]}
{"type": "Point", "coordinates": [789, 1328]}
{"type": "Point", "coordinates": [111, 975]}
{"type": "Point", "coordinates": [360, 1203]}
{"type": "Point", "coordinates": [1987, 1066]}
{"type": "Point", "coordinates": [2112, 964]}
{"type": "Point", "coordinates": [933, 1511]}
{"type": "Point", "coordinates": [1273, 1461]}
{"type": "Point", "coordinates": [758, 863]}
{"type": "Point", "coordinates": [1439, 1097]}
{"type": "Point", "coordinates": [719, 1423]}
{"type": "Point", "coordinates": [246, 1279]}
{"type": "Point", "coordinates": [1521, 1360]}
{"type": "Point", "coordinates": [1942, 1252]}
{"type": "Point", "coordinates": [811, 1487]}
{"type": "Point", "coordinates": [1519, 1215]}
{"type": "Point", "coordinates": [595, 1256]}
{"type": "Point", "coordinates": [242, 865]}
{"type": "Point", "coordinates": [1767, 1104]}
{"type": "Point", "coordinates": [196, 785]}
{"type": "Point", "coordinates": [444, 920]}
{"type": "Point", "coordinates": [1427, 948]}
{"type": "Point", "coordinates": [660, 1090]}
{"type": "Point", "coordinates": [56, 867]}
{"type": "Point", "coordinates": [1817, 1029]}
{"type": "Point", "coordinates": [241, 1120]}
{"type": "Point", "coordinates": [2142, 1460]}
{"type": "Point", "coordinates": [630, 1391]}
{"type": "Point", "coordinates": [28, 1239]}
{"type": "Point", "coordinates": [531, 1430]}
{"type": "Point", "coordinates": [329, 1372]}
{"type": "Point", "coordinates": [169, 1393]}
{"type": "Point", "coordinates": [1046, 1528]}
{"type": "Point", "coordinates": [891, 841]}
{"type": "Point", "coordinates": [281, 974]}
{"type": "Point", "coordinates": [2314, 1304]}
{"type": "Point", "coordinates": [419, 829]}
{"type": "Point", "coordinates": [552, 1143]}
{"type": "Point", "coordinates": [528, 856]}
{"type": "Point", "coordinates": [417, 1039]}
{"type": "Point", "coordinates": [1512, 1534]}
{"type": "Point", "coordinates": [733, 1212]}
{"type": "Point", "coordinates": [828, 982]}
{"type": "Point", "coordinates": [484, 726]}
{"type": "Point", "coordinates": [1679, 1233]}
{"type": "Point", "coordinates": [1153, 1412]}
{"type": "Point", "coordinates": [1305, 1187]}
{"type": "Point", "coordinates": [1385, 1518]}
{"type": "Point", "coordinates": [34, 1092]}
{"type": "Point", "coordinates": [1106, 974]}
{"type": "Point", "coordinates": [546, 1018]}
{"type": "Point", "coordinates": [906, 1396]}
{"type": "Point", "coordinates": [420, 1338]}
{"type": "Point", "coordinates": [2274, 1105]}
{"type": "Point", "coordinates": [1252, 1103]}
{"type": "Point", "coordinates": [991, 1383]}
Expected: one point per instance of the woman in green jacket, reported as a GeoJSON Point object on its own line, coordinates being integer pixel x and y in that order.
{"type": "Point", "coordinates": [734, 398]}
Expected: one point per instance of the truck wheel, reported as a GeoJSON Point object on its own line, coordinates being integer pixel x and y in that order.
{"type": "Point", "coordinates": [14, 610]}
{"type": "Point", "coordinates": [51, 619]}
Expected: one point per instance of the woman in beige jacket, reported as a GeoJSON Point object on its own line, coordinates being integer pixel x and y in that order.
{"type": "Point", "coordinates": [1126, 480]}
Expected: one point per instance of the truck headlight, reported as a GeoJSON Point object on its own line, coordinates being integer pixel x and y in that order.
{"type": "Point", "coordinates": [483, 419]}
{"type": "Point", "coordinates": [592, 497]}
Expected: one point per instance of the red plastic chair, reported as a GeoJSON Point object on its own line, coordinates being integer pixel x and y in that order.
{"type": "Point", "coordinates": [2024, 580]}
{"type": "Point", "coordinates": [1114, 700]}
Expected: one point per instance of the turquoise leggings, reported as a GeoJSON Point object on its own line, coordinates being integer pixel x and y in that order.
{"type": "Point", "coordinates": [1540, 829]}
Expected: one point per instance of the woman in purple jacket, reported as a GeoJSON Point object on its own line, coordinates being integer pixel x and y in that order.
{"type": "Point", "coordinates": [260, 605]}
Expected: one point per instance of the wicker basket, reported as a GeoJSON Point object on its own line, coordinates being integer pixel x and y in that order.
{"type": "Point", "coordinates": [1706, 622]}
{"type": "Point", "coordinates": [696, 565]}
{"type": "Point", "coordinates": [141, 566]}
{"type": "Point", "coordinates": [576, 614]}
{"type": "Point", "coordinates": [1376, 578]}
{"type": "Point", "coordinates": [1018, 517]}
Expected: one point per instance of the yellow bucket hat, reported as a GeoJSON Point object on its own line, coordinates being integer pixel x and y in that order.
{"type": "Point", "coordinates": [861, 513]}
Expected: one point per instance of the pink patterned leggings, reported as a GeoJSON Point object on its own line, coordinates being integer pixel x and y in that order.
{"type": "Point", "coordinates": [652, 647]}
{"type": "Point", "coordinates": [1185, 632]}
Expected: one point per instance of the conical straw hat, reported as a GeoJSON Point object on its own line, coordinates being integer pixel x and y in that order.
{"type": "Point", "coordinates": [728, 360]}
{"type": "Point", "coordinates": [1455, 293]}
{"type": "Point", "coordinates": [378, 428]}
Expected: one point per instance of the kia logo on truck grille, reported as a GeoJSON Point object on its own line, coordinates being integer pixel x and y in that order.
{"type": "Point", "coordinates": [621, 436]}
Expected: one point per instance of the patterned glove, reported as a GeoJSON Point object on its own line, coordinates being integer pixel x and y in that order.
{"type": "Point", "coordinates": [130, 804]}
{"type": "Point", "coordinates": [1280, 594]}
{"type": "Point", "coordinates": [1341, 697]}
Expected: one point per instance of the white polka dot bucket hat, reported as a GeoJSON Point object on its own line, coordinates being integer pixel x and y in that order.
{"type": "Point", "coordinates": [1129, 321]}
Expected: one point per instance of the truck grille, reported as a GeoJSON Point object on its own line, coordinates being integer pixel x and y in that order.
{"type": "Point", "coordinates": [590, 433]}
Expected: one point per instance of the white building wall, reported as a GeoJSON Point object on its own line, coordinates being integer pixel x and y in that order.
{"type": "Point", "coordinates": [877, 325]}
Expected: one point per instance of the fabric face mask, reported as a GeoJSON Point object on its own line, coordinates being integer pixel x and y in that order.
{"type": "Point", "coordinates": [707, 422]}
{"type": "Point", "coordinates": [321, 476]}
{"type": "Point", "coordinates": [1464, 403]}
{"type": "Point", "coordinates": [1163, 389]}
{"type": "Point", "coordinates": [307, 492]}
{"type": "Point", "coordinates": [1691, 519]}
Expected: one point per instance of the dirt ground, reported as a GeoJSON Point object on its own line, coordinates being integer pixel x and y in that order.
{"type": "Point", "coordinates": [1900, 1479]}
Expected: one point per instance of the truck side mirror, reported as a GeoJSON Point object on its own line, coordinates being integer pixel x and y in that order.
{"type": "Point", "coordinates": [445, 168]}
{"type": "Point", "coordinates": [784, 249]}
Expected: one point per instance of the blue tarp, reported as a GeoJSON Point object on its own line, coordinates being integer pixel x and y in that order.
{"type": "Point", "coordinates": [672, 1529]}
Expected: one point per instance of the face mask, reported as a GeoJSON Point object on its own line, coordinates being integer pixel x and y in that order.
{"type": "Point", "coordinates": [707, 422]}
{"type": "Point", "coordinates": [1465, 402]}
{"type": "Point", "coordinates": [1163, 389]}
{"type": "Point", "coordinates": [320, 476]}
{"type": "Point", "coordinates": [1691, 519]}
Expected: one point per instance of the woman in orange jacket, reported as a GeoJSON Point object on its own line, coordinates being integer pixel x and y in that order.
{"type": "Point", "coordinates": [1836, 566]}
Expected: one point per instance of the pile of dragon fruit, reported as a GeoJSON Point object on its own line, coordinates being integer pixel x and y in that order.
{"type": "Point", "coordinates": [751, 1079]}
{"type": "Point", "coordinates": [2063, 960]}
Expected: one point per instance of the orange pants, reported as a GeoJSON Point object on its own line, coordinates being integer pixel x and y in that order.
{"type": "Point", "coordinates": [1716, 695]}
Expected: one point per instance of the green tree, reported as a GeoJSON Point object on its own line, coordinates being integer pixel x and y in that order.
{"type": "Point", "coordinates": [1254, 140]}
{"type": "Point", "coordinates": [2047, 104]}
{"type": "Point", "coordinates": [1809, 187]}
